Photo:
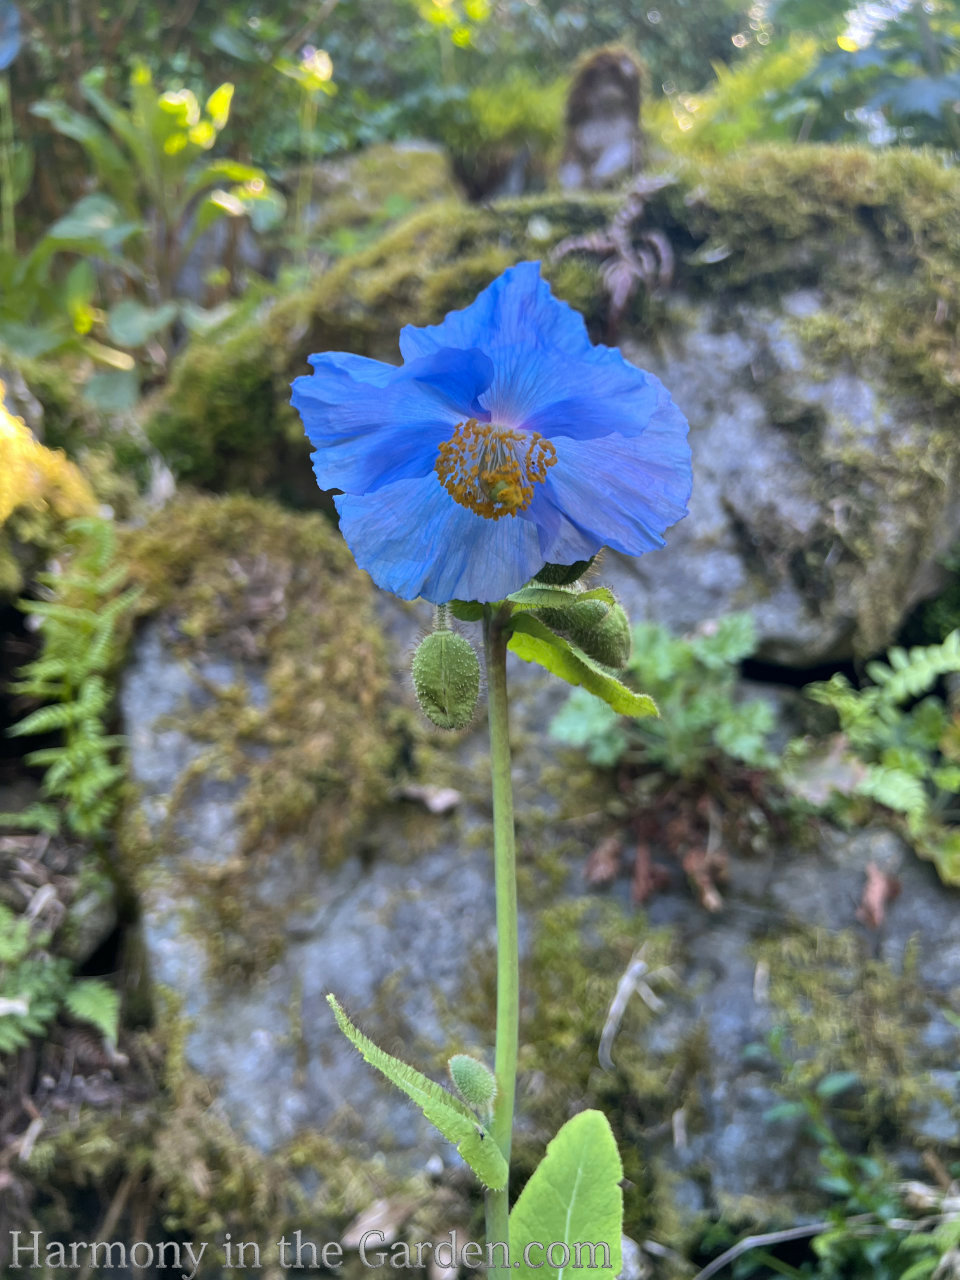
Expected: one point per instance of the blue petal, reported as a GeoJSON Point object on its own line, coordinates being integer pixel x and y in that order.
{"type": "Point", "coordinates": [414, 540]}
{"type": "Point", "coordinates": [614, 491]}
{"type": "Point", "coordinates": [593, 393]}
{"type": "Point", "coordinates": [373, 423]}
{"type": "Point", "coordinates": [517, 309]}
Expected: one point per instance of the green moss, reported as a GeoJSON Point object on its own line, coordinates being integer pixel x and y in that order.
{"type": "Point", "coordinates": [845, 1011]}
{"type": "Point", "coordinates": [278, 590]}
{"type": "Point", "coordinates": [357, 196]}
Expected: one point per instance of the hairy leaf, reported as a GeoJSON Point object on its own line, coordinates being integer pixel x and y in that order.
{"type": "Point", "coordinates": [534, 642]}
{"type": "Point", "coordinates": [447, 1113]}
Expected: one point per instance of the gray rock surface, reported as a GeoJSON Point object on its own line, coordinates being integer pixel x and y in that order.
{"type": "Point", "coordinates": [811, 506]}
{"type": "Point", "coordinates": [389, 945]}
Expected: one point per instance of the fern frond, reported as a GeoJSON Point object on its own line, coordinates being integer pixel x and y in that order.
{"type": "Point", "coordinates": [37, 817]}
{"type": "Point", "coordinates": [896, 789]}
{"type": "Point", "coordinates": [47, 719]}
{"type": "Point", "coordinates": [908, 674]}
{"type": "Point", "coordinates": [91, 1000]}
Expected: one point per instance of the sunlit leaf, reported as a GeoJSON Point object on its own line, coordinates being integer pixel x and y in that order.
{"type": "Point", "coordinates": [218, 105]}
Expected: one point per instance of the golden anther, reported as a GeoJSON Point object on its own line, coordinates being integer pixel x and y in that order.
{"type": "Point", "coordinates": [492, 470]}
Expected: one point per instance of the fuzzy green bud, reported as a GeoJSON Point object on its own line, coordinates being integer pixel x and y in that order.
{"type": "Point", "coordinates": [611, 641]}
{"type": "Point", "coordinates": [474, 1082]}
{"type": "Point", "coordinates": [601, 630]}
{"type": "Point", "coordinates": [446, 676]}
{"type": "Point", "coordinates": [562, 575]}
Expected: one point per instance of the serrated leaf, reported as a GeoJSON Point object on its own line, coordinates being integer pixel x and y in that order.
{"type": "Point", "coordinates": [573, 1199]}
{"type": "Point", "coordinates": [37, 817]}
{"type": "Point", "coordinates": [447, 1113]}
{"type": "Point", "coordinates": [534, 642]}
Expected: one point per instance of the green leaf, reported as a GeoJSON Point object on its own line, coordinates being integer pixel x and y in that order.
{"type": "Point", "coordinates": [111, 165]}
{"type": "Point", "coordinates": [447, 1113]}
{"type": "Point", "coordinates": [94, 220]}
{"type": "Point", "coordinates": [537, 597]}
{"type": "Point", "coordinates": [131, 324]}
{"type": "Point", "coordinates": [91, 1000]}
{"type": "Point", "coordinates": [114, 391]}
{"type": "Point", "coordinates": [222, 170]}
{"type": "Point", "coordinates": [235, 43]}
{"type": "Point", "coordinates": [534, 642]}
{"type": "Point", "coordinates": [585, 721]}
{"type": "Point", "coordinates": [466, 610]}
{"type": "Point", "coordinates": [572, 1202]}
{"type": "Point", "coordinates": [837, 1082]}
{"type": "Point", "coordinates": [784, 1111]}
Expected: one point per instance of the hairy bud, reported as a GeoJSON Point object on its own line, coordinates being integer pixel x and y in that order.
{"type": "Point", "coordinates": [446, 677]}
{"type": "Point", "coordinates": [562, 575]}
{"type": "Point", "coordinates": [601, 630]}
{"type": "Point", "coordinates": [474, 1082]}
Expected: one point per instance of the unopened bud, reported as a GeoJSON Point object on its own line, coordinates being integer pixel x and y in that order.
{"type": "Point", "coordinates": [474, 1082]}
{"type": "Point", "coordinates": [610, 642]}
{"type": "Point", "coordinates": [601, 630]}
{"type": "Point", "coordinates": [562, 575]}
{"type": "Point", "coordinates": [446, 677]}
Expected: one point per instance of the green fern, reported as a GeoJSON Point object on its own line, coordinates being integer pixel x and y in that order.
{"type": "Point", "coordinates": [35, 985]}
{"type": "Point", "coordinates": [80, 649]}
{"type": "Point", "coordinates": [90, 1000]}
{"type": "Point", "coordinates": [902, 746]}
{"type": "Point", "coordinates": [939, 1247]}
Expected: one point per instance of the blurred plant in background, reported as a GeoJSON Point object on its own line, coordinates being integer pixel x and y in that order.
{"type": "Point", "coordinates": [899, 746]}
{"type": "Point", "coordinates": [157, 195]}
{"type": "Point", "coordinates": [827, 71]}
{"type": "Point", "coordinates": [693, 682]}
{"type": "Point", "coordinates": [12, 183]}
{"type": "Point", "coordinates": [314, 74]}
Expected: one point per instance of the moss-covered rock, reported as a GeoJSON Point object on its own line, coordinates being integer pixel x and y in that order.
{"type": "Point", "coordinates": [809, 337]}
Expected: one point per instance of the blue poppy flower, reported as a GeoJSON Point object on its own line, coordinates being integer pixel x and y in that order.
{"type": "Point", "coordinates": [505, 441]}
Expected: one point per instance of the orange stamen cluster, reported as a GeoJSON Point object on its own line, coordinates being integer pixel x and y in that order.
{"type": "Point", "coordinates": [492, 470]}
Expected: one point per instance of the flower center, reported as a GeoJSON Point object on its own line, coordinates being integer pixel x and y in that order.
{"type": "Point", "coordinates": [492, 470]}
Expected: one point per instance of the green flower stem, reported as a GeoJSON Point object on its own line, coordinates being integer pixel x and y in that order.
{"type": "Point", "coordinates": [508, 962]}
{"type": "Point", "coordinates": [7, 224]}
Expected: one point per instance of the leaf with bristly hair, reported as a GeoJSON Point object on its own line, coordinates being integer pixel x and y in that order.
{"type": "Point", "coordinates": [452, 1117]}
{"type": "Point", "coordinates": [534, 642]}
